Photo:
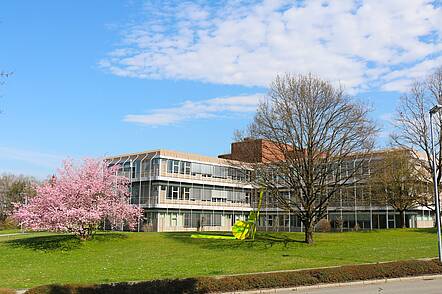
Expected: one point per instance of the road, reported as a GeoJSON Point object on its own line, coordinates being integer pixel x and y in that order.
{"type": "Point", "coordinates": [422, 286]}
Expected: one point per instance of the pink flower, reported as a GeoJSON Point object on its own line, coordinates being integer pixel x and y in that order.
{"type": "Point", "coordinates": [78, 199]}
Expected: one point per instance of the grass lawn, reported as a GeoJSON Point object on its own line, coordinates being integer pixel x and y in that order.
{"type": "Point", "coordinates": [41, 258]}
{"type": "Point", "coordinates": [12, 231]}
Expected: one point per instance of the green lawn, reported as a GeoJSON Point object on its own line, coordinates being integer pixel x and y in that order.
{"type": "Point", "coordinates": [40, 258]}
{"type": "Point", "coordinates": [12, 231]}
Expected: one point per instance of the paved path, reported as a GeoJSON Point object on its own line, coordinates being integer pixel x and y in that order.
{"type": "Point", "coordinates": [13, 234]}
{"type": "Point", "coordinates": [427, 285]}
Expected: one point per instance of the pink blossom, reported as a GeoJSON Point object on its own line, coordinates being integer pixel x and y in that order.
{"type": "Point", "coordinates": [78, 199]}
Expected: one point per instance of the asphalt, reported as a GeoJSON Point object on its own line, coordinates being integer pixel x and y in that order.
{"type": "Point", "coordinates": [424, 285]}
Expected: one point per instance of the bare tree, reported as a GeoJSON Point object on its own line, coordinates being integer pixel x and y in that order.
{"type": "Point", "coordinates": [312, 129]}
{"type": "Point", "coordinates": [396, 180]}
{"type": "Point", "coordinates": [412, 124]}
{"type": "Point", "coordinates": [14, 189]}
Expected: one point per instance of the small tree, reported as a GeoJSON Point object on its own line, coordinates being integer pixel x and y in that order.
{"type": "Point", "coordinates": [396, 180]}
{"type": "Point", "coordinates": [313, 129]}
{"type": "Point", "coordinates": [78, 199]}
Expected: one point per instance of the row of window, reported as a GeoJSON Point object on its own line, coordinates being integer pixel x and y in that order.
{"type": "Point", "coordinates": [175, 192]}
{"type": "Point", "coordinates": [206, 170]}
{"type": "Point", "coordinates": [150, 191]}
{"type": "Point", "coordinates": [198, 220]}
{"type": "Point", "coordinates": [224, 172]}
{"type": "Point", "coordinates": [133, 168]}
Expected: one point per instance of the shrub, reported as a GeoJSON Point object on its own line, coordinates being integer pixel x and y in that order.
{"type": "Point", "coordinates": [323, 226]}
{"type": "Point", "coordinates": [256, 281]}
{"type": "Point", "coordinates": [8, 224]}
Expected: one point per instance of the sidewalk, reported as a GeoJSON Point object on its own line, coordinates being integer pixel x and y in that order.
{"type": "Point", "coordinates": [355, 287]}
{"type": "Point", "coordinates": [13, 234]}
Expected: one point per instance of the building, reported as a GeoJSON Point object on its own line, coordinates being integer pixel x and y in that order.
{"type": "Point", "coordinates": [188, 192]}
{"type": "Point", "coordinates": [185, 192]}
{"type": "Point", "coordinates": [353, 206]}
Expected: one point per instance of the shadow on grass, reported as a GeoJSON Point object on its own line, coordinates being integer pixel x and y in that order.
{"type": "Point", "coordinates": [425, 231]}
{"type": "Point", "coordinates": [63, 242]}
{"type": "Point", "coordinates": [278, 238]}
{"type": "Point", "coordinates": [403, 230]}
{"type": "Point", "coordinates": [262, 240]}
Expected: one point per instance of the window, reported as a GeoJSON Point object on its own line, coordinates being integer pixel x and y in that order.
{"type": "Point", "coordinates": [173, 192]}
{"type": "Point", "coordinates": [126, 167]}
{"type": "Point", "coordinates": [184, 167]}
{"type": "Point", "coordinates": [155, 167]}
{"type": "Point", "coordinates": [247, 199]}
{"type": "Point", "coordinates": [173, 219]}
{"type": "Point", "coordinates": [216, 220]}
{"type": "Point", "coordinates": [169, 192]}
{"type": "Point", "coordinates": [176, 166]}
{"type": "Point", "coordinates": [173, 166]}
{"type": "Point", "coordinates": [170, 166]}
{"type": "Point", "coordinates": [187, 220]}
{"type": "Point", "coordinates": [270, 220]}
{"type": "Point", "coordinates": [134, 170]}
{"type": "Point", "coordinates": [187, 168]}
{"type": "Point", "coordinates": [185, 193]}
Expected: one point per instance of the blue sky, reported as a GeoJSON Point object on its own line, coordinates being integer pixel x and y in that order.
{"type": "Point", "coordinates": [94, 78]}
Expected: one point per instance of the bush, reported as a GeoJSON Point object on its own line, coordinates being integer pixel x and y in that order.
{"type": "Point", "coordinates": [256, 281]}
{"type": "Point", "coordinates": [323, 226]}
{"type": "Point", "coordinates": [339, 224]}
{"type": "Point", "coordinates": [8, 224]}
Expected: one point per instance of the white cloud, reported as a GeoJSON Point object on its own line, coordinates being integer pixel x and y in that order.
{"type": "Point", "coordinates": [197, 110]}
{"type": "Point", "coordinates": [31, 157]}
{"type": "Point", "coordinates": [358, 43]}
{"type": "Point", "coordinates": [400, 80]}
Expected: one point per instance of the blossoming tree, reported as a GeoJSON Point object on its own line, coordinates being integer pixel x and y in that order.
{"type": "Point", "coordinates": [78, 199]}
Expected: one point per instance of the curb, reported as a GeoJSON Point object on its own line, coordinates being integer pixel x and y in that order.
{"type": "Point", "coordinates": [316, 268]}
{"type": "Point", "coordinates": [336, 285]}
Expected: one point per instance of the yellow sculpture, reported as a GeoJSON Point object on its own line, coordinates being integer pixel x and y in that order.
{"type": "Point", "coordinates": [241, 229]}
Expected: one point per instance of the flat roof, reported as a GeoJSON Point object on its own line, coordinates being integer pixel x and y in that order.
{"type": "Point", "coordinates": [178, 154]}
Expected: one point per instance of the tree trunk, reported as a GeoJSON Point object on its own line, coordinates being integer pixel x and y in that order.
{"type": "Point", "coordinates": [402, 219]}
{"type": "Point", "coordinates": [84, 233]}
{"type": "Point", "coordinates": [309, 233]}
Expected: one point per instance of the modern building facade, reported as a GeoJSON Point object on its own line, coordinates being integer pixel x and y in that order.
{"type": "Point", "coordinates": [185, 192]}
{"type": "Point", "coordinates": [188, 192]}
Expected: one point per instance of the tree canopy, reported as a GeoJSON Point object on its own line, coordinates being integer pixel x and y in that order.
{"type": "Point", "coordinates": [78, 199]}
{"type": "Point", "coordinates": [312, 129]}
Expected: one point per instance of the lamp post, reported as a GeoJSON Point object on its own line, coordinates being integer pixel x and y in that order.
{"type": "Point", "coordinates": [434, 110]}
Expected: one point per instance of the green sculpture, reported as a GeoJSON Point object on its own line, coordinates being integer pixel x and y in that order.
{"type": "Point", "coordinates": [241, 229]}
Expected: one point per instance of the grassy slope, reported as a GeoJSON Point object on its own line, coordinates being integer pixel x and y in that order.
{"type": "Point", "coordinates": [35, 259]}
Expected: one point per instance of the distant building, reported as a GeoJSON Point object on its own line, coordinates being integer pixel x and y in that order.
{"type": "Point", "coordinates": [188, 192]}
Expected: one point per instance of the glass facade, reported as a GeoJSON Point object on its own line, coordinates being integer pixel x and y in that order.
{"type": "Point", "coordinates": [205, 170]}
{"type": "Point", "coordinates": [186, 182]}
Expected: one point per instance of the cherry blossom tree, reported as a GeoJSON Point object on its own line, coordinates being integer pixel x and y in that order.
{"type": "Point", "coordinates": [78, 199]}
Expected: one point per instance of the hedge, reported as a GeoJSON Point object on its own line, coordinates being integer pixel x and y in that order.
{"type": "Point", "coordinates": [256, 281]}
